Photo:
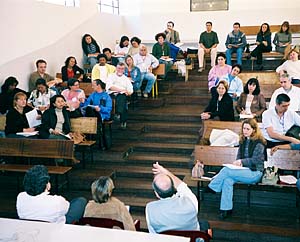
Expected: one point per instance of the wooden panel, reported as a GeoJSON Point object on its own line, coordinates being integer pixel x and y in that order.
{"type": "Point", "coordinates": [263, 77]}
{"type": "Point", "coordinates": [2, 122]}
{"type": "Point", "coordinates": [253, 30]}
{"type": "Point", "coordinates": [86, 125]}
{"type": "Point", "coordinates": [268, 89]}
{"type": "Point", "coordinates": [86, 87]}
{"type": "Point", "coordinates": [160, 70]}
{"type": "Point", "coordinates": [43, 148]}
{"type": "Point", "coordinates": [60, 170]}
{"type": "Point", "coordinates": [285, 159]}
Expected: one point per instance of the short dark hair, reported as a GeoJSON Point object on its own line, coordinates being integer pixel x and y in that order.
{"type": "Point", "coordinates": [123, 39]}
{"type": "Point", "coordinates": [221, 54]}
{"type": "Point", "coordinates": [36, 179]}
{"type": "Point", "coordinates": [41, 81]}
{"type": "Point", "coordinates": [160, 35]}
{"type": "Point", "coordinates": [135, 39]}
{"type": "Point", "coordinates": [101, 83]}
{"type": "Point", "coordinates": [68, 60]}
{"type": "Point", "coordinates": [10, 81]}
{"type": "Point", "coordinates": [250, 82]}
{"type": "Point", "coordinates": [238, 66]}
{"type": "Point", "coordinates": [106, 49]}
{"type": "Point", "coordinates": [164, 193]}
{"type": "Point", "coordinates": [208, 22]}
{"type": "Point", "coordinates": [282, 98]}
{"type": "Point", "coordinates": [237, 23]}
{"type": "Point", "coordinates": [53, 99]}
{"type": "Point", "coordinates": [71, 82]}
{"type": "Point", "coordinates": [121, 64]}
{"type": "Point", "coordinates": [171, 22]}
{"type": "Point", "coordinates": [101, 56]}
{"type": "Point", "coordinates": [39, 62]}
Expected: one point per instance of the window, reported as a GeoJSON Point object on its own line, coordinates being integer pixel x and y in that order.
{"type": "Point", "coordinates": [68, 3]}
{"type": "Point", "coordinates": [208, 5]}
{"type": "Point", "coordinates": [109, 6]}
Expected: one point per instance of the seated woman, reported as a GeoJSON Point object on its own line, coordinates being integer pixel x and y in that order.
{"type": "Point", "coordinates": [104, 205]}
{"type": "Point", "coordinates": [55, 120]}
{"type": "Point", "coordinates": [74, 97]}
{"type": "Point", "coordinates": [292, 66]}
{"type": "Point", "coordinates": [251, 100]}
{"type": "Point", "coordinates": [263, 44]}
{"type": "Point", "coordinates": [220, 106]}
{"type": "Point", "coordinates": [8, 91]}
{"type": "Point", "coordinates": [122, 48]}
{"type": "Point", "coordinates": [16, 120]}
{"type": "Point", "coordinates": [71, 70]}
{"type": "Point", "coordinates": [135, 46]}
{"type": "Point", "coordinates": [90, 49]}
{"type": "Point", "coordinates": [161, 51]}
{"type": "Point", "coordinates": [219, 70]}
{"type": "Point", "coordinates": [283, 40]}
{"type": "Point", "coordinates": [249, 165]}
{"type": "Point", "coordinates": [134, 74]}
{"type": "Point", "coordinates": [40, 97]}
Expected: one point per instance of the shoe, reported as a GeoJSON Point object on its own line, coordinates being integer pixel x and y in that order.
{"type": "Point", "coordinates": [75, 161]}
{"type": "Point", "coordinates": [200, 69]}
{"type": "Point", "coordinates": [123, 125]}
{"type": "Point", "coordinates": [225, 214]}
{"type": "Point", "coordinates": [139, 93]}
{"type": "Point", "coordinates": [145, 94]}
{"type": "Point", "coordinates": [117, 117]}
{"type": "Point", "coordinates": [248, 57]}
{"type": "Point", "coordinates": [209, 190]}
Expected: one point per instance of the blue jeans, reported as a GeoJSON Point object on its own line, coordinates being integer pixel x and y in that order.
{"type": "Point", "coordinates": [239, 55]}
{"type": "Point", "coordinates": [76, 209]}
{"type": "Point", "coordinates": [224, 181]}
{"type": "Point", "coordinates": [150, 78]}
{"type": "Point", "coordinates": [298, 184]}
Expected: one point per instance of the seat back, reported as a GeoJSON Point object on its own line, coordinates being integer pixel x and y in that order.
{"type": "Point", "coordinates": [192, 234]}
{"type": "Point", "coordinates": [160, 70]}
{"type": "Point", "coordinates": [86, 125]}
{"type": "Point", "coordinates": [100, 222]}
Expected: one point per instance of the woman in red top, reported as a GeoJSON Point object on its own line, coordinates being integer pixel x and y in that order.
{"type": "Point", "coordinates": [71, 70]}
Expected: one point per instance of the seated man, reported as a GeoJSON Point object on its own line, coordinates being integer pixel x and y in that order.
{"type": "Point", "coordinates": [99, 104]}
{"type": "Point", "coordinates": [172, 37]}
{"type": "Point", "coordinates": [41, 66]}
{"type": "Point", "coordinates": [177, 207]}
{"type": "Point", "coordinates": [208, 43]}
{"type": "Point", "coordinates": [119, 87]}
{"type": "Point", "coordinates": [102, 70]}
{"type": "Point", "coordinates": [111, 60]}
{"type": "Point", "coordinates": [146, 62]}
{"type": "Point", "coordinates": [235, 42]}
{"type": "Point", "coordinates": [36, 203]}
{"type": "Point", "coordinates": [289, 89]}
{"type": "Point", "coordinates": [277, 121]}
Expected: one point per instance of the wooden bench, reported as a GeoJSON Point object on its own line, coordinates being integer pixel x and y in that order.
{"type": "Point", "coordinates": [216, 156]}
{"type": "Point", "coordinates": [187, 69]}
{"type": "Point", "coordinates": [87, 126]}
{"type": "Point", "coordinates": [52, 170]}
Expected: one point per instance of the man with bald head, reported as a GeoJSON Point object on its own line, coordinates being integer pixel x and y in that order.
{"type": "Point", "coordinates": [177, 207]}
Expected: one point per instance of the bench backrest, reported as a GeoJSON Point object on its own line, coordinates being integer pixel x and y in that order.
{"type": "Point", "coordinates": [263, 77]}
{"type": "Point", "coordinates": [253, 30]}
{"type": "Point", "coordinates": [2, 122]}
{"type": "Point", "coordinates": [86, 125]}
{"type": "Point", "coordinates": [40, 148]}
{"type": "Point", "coordinates": [216, 156]}
{"type": "Point", "coordinates": [87, 88]}
{"type": "Point", "coordinates": [160, 70]}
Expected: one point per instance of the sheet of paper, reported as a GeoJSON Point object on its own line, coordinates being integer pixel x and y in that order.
{"type": "Point", "coordinates": [244, 116]}
{"type": "Point", "coordinates": [168, 59]}
{"type": "Point", "coordinates": [31, 118]}
{"type": "Point", "coordinates": [27, 134]}
{"type": "Point", "coordinates": [66, 135]}
{"type": "Point", "coordinates": [231, 166]}
{"type": "Point", "coordinates": [288, 179]}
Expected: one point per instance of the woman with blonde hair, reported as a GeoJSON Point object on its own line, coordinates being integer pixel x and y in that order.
{"type": "Point", "coordinates": [247, 168]}
{"type": "Point", "coordinates": [104, 205]}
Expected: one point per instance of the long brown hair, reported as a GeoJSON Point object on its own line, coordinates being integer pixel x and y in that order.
{"type": "Point", "coordinates": [256, 134]}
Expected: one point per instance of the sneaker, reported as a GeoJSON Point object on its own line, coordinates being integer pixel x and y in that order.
{"type": "Point", "coordinates": [200, 69]}
{"type": "Point", "coordinates": [139, 93]}
{"type": "Point", "coordinates": [117, 117]}
{"type": "Point", "coordinates": [145, 95]}
{"type": "Point", "coordinates": [123, 125]}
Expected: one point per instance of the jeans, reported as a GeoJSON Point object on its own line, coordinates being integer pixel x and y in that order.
{"type": "Point", "coordinates": [76, 210]}
{"type": "Point", "coordinates": [150, 78]}
{"type": "Point", "coordinates": [224, 181]}
{"type": "Point", "coordinates": [298, 184]}
{"type": "Point", "coordinates": [121, 106]}
{"type": "Point", "coordinates": [239, 55]}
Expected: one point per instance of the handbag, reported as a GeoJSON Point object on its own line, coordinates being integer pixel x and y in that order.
{"type": "Point", "coordinates": [198, 169]}
{"type": "Point", "coordinates": [294, 132]}
{"type": "Point", "coordinates": [270, 176]}
{"type": "Point", "coordinates": [77, 137]}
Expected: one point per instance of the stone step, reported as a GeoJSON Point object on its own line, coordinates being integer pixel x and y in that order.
{"type": "Point", "coordinates": [170, 137]}
{"type": "Point", "coordinates": [164, 147]}
{"type": "Point", "coordinates": [187, 100]}
{"type": "Point", "coordinates": [174, 126]}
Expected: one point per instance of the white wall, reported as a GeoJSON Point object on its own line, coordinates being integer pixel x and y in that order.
{"type": "Point", "coordinates": [32, 30]}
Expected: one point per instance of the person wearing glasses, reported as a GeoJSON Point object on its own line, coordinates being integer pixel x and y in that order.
{"type": "Point", "coordinates": [289, 89]}
{"type": "Point", "coordinates": [278, 120]}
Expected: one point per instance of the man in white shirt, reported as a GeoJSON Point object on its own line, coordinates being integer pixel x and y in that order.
{"type": "Point", "coordinates": [119, 87]}
{"type": "Point", "coordinates": [36, 203]}
{"type": "Point", "coordinates": [177, 207]}
{"type": "Point", "coordinates": [277, 121]}
{"type": "Point", "coordinates": [146, 62]}
{"type": "Point", "coordinates": [287, 87]}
